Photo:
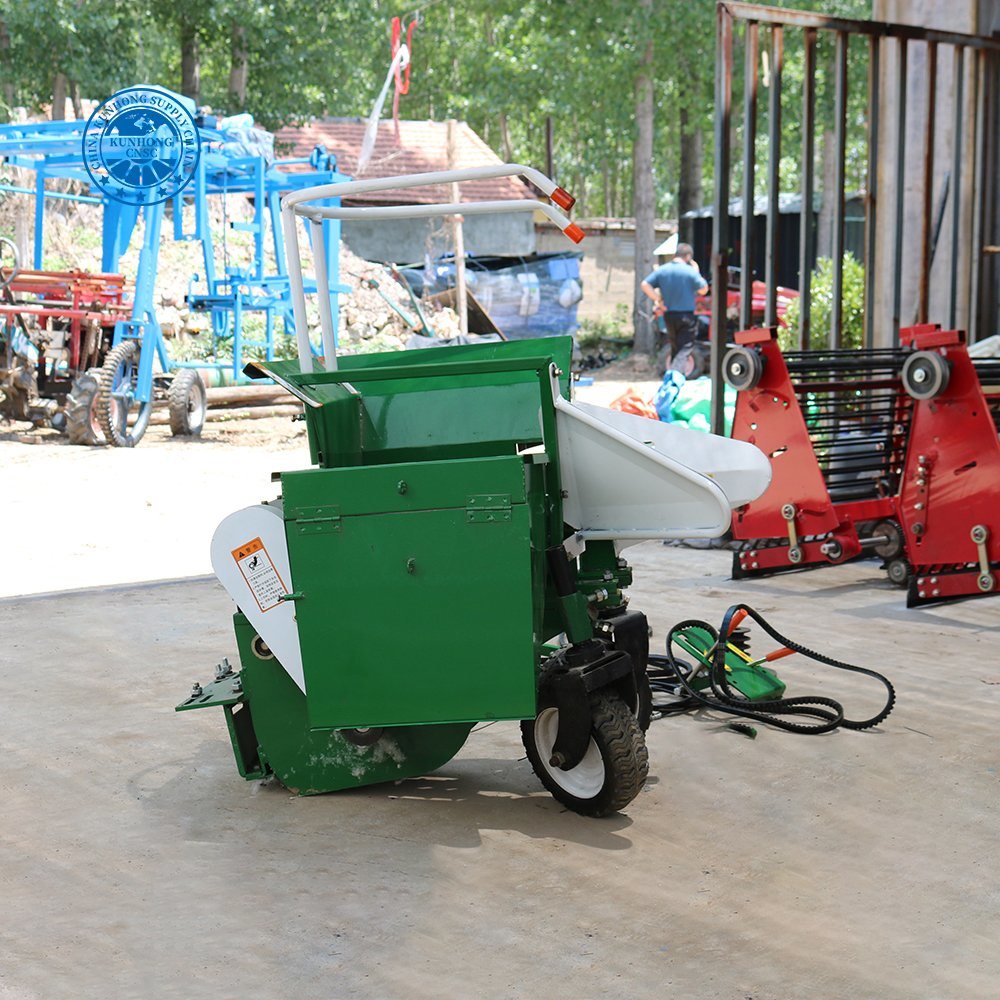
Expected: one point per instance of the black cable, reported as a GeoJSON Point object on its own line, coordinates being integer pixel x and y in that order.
{"type": "Point", "coordinates": [829, 712]}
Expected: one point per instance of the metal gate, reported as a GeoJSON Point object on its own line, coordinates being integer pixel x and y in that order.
{"type": "Point", "coordinates": [974, 64]}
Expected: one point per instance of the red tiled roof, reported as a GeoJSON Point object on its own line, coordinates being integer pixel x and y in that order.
{"type": "Point", "coordinates": [423, 147]}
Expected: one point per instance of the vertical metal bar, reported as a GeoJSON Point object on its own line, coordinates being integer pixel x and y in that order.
{"type": "Point", "coordinates": [773, 176]}
{"type": "Point", "coordinates": [923, 294]}
{"type": "Point", "coordinates": [897, 293]}
{"type": "Point", "coordinates": [323, 295]}
{"type": "Point", "coordinates": [978, 197]}
{"type": "Point", "coordinates": [751, 53]}
{"type": "Point", "coordinates": [720, 220]}
{"type": "Point", "coordinates": [958, 117]}
{"type": "Point", "coordinates": [296, 287]}
{"type": "Point", "coordinates": [871, 196]}
{"type": "Point", "coordinates": [836, 334]}
{"type": "Point", "coordinates": [807, 226]}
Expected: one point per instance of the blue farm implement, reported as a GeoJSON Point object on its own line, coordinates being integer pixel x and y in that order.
{"type": "Point", "coordinates": [106, 359]}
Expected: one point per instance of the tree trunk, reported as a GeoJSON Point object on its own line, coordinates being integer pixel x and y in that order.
{"type": "Point", "coordinates": [643, 194]}
{"type": "Point", "coordinates": [74, 93]}
{"type": "Point", "coordinates": [239, 57]}
{"type": "Point", "coordinates": [7, 71]}
{"type": "Point", "coordinates": [508, 150]}
{"type": "Point", "coordinates": [59, 97]}
{"type": "Point", "coordinates": [689, 190]}
{"type": "Point", "coordinates": [190, 63]}
{"type": "Point", "coordinates": [609, 209]}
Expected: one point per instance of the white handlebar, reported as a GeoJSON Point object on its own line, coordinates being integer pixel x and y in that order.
{"type": "Point", "coordinates": [302, 204]}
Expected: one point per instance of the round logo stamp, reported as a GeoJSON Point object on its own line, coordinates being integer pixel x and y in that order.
{"type": "Point", "coordinates": [141, 146]}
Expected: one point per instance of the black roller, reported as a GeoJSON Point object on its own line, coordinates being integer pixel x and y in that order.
{"type": "Point", "coordinates": [742, 368]}
{"type": "Point", "coordinates": [925, 375]}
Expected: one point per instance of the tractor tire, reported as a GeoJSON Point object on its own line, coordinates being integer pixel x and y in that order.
{"type": "Point", "coordinates": [188, 402]}
{"type": "Point", "coordinates": [83, 424]}
{"type": "Point", "coordinates": [115, 424]}
{"type": "Point", "coordinates": [614, 768]}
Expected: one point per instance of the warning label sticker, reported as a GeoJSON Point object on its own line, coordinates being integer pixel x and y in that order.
{"type": "Point", "coordinates": [259, 572]}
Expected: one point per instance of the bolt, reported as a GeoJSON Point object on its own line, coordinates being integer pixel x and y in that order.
{"type": "Point", "coordinates": [195, 689]}
{"type": "Point", "coordinates": [933, 579]}
{"type": "Point", "coordinates": [918, 529]}
{"type": "Point", "coordinates": [921, 594]}
{"type": "Point", "coordinates": [935, 592]}
{"type": "Point", "coordinates": [985, 582]}
{"type": "Point", "coordinates": [919, 506]}
{"type": "Point", "coordinates": [411, 565]}
{"type": "Point", "coordinates": [920, 375]}
{"type": "Point", "coordinates": [401, 487]}
{"type": "Point", "coordinates": [788, 512]}
{"type": "Point", "coordinates": [754, 566]}
{"type": "Point", "coordinates": [237, 684]}
{"type": "Point", "coordinates": [557, 760]}
{"type": "Point", "coordinates": [979, 534]}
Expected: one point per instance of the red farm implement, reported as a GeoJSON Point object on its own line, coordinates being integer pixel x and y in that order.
{"type": "Point", "coordinates": [55, 329]}
{"type": "Point", "coordinates": [892, 453]}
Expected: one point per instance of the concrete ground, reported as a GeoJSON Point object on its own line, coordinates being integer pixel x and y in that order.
{"type": "Point", "coordinates": [135, 863]}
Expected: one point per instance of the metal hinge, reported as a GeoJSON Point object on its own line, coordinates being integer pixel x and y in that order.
{"type": "Point", "coordinates": [484, 508]}
{"type": "Point", "coordinates": [315, 520]}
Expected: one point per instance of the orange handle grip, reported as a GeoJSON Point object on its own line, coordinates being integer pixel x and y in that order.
{"type": "Point", "coordinates": [777, 654]}
{"type": "Point", "coordinates": [737, 618]}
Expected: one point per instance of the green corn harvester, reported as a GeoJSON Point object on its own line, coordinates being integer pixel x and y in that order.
{"type": "Point", "coordinates": [452, 557]}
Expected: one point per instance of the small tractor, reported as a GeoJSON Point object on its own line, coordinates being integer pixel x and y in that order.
{"type": "Point", "coordinates": [455, 492]}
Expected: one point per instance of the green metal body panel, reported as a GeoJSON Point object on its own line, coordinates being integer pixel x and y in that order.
{"type": "Point", "coordinates": [421, 553]}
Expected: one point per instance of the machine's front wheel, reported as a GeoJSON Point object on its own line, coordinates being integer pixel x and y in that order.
{"type": "Point", "coordinates": [613, 769]}
{"type": "Point", "coordinates": [117, 397]}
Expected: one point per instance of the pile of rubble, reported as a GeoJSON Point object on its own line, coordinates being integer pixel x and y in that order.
{"type": "Point", "coordinates": [368, 322]}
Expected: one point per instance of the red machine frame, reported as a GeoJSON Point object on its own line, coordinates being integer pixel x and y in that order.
{"type": "Point", "coordinates": [939, 508]}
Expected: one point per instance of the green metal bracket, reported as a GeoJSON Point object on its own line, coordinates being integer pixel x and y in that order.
{"type": "Point", "coordinates": [315, 520]}
{"type": "Point", "coordinates": [486, 508]}
{"type": "Point", "coordinates": [227, 690]}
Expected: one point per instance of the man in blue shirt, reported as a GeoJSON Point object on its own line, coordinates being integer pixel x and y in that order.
{"type": "Point", "coordinates": [674, 287]}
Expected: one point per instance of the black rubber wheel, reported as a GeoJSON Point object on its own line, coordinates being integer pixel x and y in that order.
{"type": "Point", "coordinates": [644, 704]}
{"type": "Point", "coordinates": [119, 376]}
{"type": "Point", "coordinates": [188, 400]}
{"type": "Point", "coordinates": [83, 424]}
{"type": "Point", "coordinates": [925, 375]}
{"type": "Point", "coordinates": [614, 769]}
{"type": "Point", "coordinates": [742, 368]}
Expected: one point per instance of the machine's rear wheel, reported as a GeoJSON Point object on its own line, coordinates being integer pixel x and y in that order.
{"type": "Point", "coordinates": [83, 423]}
{"type": "Point", "coordinates": [188, 401]}
{"type": "Point", "coordinates": [612, 771]}
{"type": "Point", "coordinates": [116, 399]}
{"type": "Point", "coordinates": [898, 571]}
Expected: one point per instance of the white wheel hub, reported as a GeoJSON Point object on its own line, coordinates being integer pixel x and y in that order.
{"type": "Point", "coordinates": [584, 781]}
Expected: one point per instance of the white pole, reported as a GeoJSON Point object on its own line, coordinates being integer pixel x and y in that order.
{"type": "Point", "coordinates": [289, 226]}
{"type": "Point", "coordinates": [323, 296]}
{"type": "Point", "coordinates": [461, 293]}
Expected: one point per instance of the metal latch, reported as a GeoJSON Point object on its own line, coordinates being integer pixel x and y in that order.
{"type": "Point", "coordinates": [788, 512]}
{"type": "Point", "coordinates": [320, 520]}
{"type": "Point", "coordinates": [484, 508]}
{"type": "Point", "coordinates": [980, 534]}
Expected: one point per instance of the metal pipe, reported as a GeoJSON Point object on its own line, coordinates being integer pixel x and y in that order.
{"type": "Point", "coordinates": [773, 176]}
{"type": "Point", "coordinates": [289, 227]}
{"type": "Point", "coordinates": [871, 195]}
{"type": "Point", "coordinates": [958, 117]}
{"type": "Point", "coordinates": [720, 219]}
{"type": "Point", "coordinates": [836, 333]}
{"type": "Point", "coordinates": [751, 58]}
{"type": "Point", "coordinates": [323, 296]}
{"type": "Point", "coordinates": [315, 212]}
{"type": "Point", "coordinates": [978, 198]}
{"type": "Point", "coordinates": [923, 292]}
{"type": "Point", "coordinates": [807, 228]}
{"type": "Point", "coordinates": [897, 294]}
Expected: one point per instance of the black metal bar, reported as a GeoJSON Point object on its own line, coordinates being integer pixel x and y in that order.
{"type": "Point", "coordinates": [923, 292]}
{"type": "Point", "coordinates": [773, 176]}
{"type": "Point", "coordinates": [958, 117]}
{"type": "Point", "coordinates": [751, 53]}
{"type": "Point", "coordinates": [978, 198]}
{"type": "Point", "coordinates": [840, 146]}
{"type": "Point", "coordinates": [720, 220]}
{"type": "Point", "coordinates": [871, 195]}
{"type": "Point", "coordinates": [807, 19]}
{"type": "Point", "coordinates": [807, 226]}
{"type": "Point", "coordinates": [897, 294]}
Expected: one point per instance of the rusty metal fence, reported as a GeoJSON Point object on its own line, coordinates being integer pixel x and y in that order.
{"type": "Point", "coordinates": [974, 57]}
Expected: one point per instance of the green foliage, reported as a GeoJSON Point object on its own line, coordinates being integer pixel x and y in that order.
{"type": "Point", "coordinates": [821, 306]}
{"type": "Point", "coordinates": [616, 325]}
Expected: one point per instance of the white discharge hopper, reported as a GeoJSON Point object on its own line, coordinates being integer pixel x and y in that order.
{"type": "Point", "coordinates": [630, 478]}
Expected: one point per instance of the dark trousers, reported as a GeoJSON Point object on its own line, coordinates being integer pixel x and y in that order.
{"type": "Point", "coordinates": [678, 330]}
